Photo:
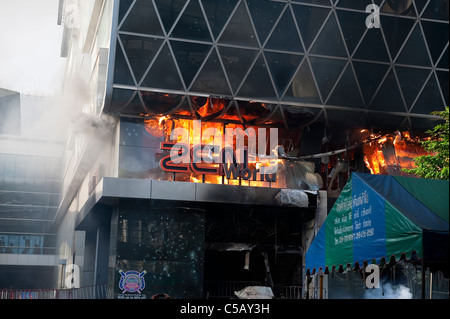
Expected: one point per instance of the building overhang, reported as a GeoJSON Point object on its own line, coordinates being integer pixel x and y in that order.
{"type": "Point", "coordinates": [110, 190]}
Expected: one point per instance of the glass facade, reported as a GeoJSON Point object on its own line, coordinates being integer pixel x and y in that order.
{"type": "Point", "coordinates": [318, 56]}
{"type": "Point", "coordinates": [29, 199]}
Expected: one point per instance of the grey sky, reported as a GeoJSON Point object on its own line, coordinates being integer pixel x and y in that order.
{"type": "Point", "coordinates": [30, 45]}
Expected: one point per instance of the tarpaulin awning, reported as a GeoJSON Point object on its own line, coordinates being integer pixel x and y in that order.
{"type": "Point", "coordinates": [378, 217]}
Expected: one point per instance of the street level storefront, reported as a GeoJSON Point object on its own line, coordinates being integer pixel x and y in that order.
{"type": "Point", "coordinates": [383, 220]}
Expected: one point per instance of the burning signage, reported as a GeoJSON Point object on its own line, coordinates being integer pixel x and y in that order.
{"type": "Point", "coordinates": [231, 152]}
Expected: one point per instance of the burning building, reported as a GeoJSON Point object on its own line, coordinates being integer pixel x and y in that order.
{"type": "Point", "coordinates": [153, 81]}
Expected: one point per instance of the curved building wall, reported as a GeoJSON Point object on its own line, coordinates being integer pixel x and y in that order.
{"type": "Point", "coordinates": [326, 58]}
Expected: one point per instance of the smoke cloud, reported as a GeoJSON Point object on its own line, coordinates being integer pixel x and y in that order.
{"type": "Point", "coordinates": [388, 291]}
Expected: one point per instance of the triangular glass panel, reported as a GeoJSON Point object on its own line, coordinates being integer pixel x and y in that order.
{"type": "Point", "coordinates": [403, 8]}
{"type": "Point", "coordinates": [309, 20]}
{"type": "Point", "coordinates": [192, 24]}
{"type": "Point", "coordinates": [212, 78]}
{"type": "Point", "coordinates": [163, 73]}
{"type": "Point", "coordinates": [420, 4]}
{"type": "Point", "coordinates": [346, 92]}
{"type": "Point", "coordinates": [123, 8]}
{"type": "Point", "coordinates": [437, 35]}
{"type": "Point", "coordinates": [258, 83]}
{"type": "Point", "coordinates": [416, 45]}
{"type": "Point", "coordinates": [354, 4]}
{"type": "Point", "coordinates": [419, 124]}
{"type": "Point", "coordinates": [265, 14]}
{"type": "Point", "coordinates": [430, 99]}
{"type": "Point", "coordinates": [444, 62]}
{"type": "Point", "coordinates": [285, 36]}
{"type": "Point", "coordinates": [237, 63]}
{"type": "Point", "coordinates": [372, 47]}
{"type": "Point", "coordinates": [340, 119]}
{"type": "Point", "coordinates": [411, 81]}
{"type": "Point", "coordinates": [388, 97]}
{"type": "Point", "coordinates": [122, 73]}
{"type": "Point", "coordinates": [329, 41]}
{"type": "Point", "coordinates": [436, 9]}
{"type": "Point", "coordinates": [350, 22]}
{"type": "Point", "coordinates": [321, 2]}
{"type": "Point", "coordinates": [443, 81]}
{"type": "Point", "coordinates": [303, 87]}
{"type": "Point", "coordinates": [239, 30]}
{"type": "Point", "coordinates": [218, 12]}
{"type": "Point", "coordinates": [326, 72]}
{"type": "Point", "coordinates": [377, 121]}
{"type": "Point", "coordinates": [396, 30]}
{"type": "Point", "coordinates": [120, 98]}
{"type": "Point", "coordinates": [142, 19]}
{"type": "Point", "coordinates": [283, 67]}
{"type": "Point", "coordinates": [169, 11]}
{"type": "Point", "coordinates": [369, 76]}
{"type": "Point", "coordinates": [140, 52]}
{"type": "Point", "coordinates": [189, 56]}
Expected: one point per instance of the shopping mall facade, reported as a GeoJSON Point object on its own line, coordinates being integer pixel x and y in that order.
{"type": "Point", "coordinates": [318, 72]}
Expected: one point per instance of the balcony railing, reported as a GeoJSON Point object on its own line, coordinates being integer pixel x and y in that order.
{"type": "Point", "coordinates": [92, 292]}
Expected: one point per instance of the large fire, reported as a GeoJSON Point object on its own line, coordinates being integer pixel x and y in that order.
{"type": "Point", "coordinates": [389, 154]}
{"type": "Point", "coordinates": [165, 128]}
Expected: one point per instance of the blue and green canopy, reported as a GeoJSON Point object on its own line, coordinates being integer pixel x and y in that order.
{"type": "Point", "coordinates": [379, 217]}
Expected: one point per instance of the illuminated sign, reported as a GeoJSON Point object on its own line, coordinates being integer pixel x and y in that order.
{"type": "Point", "coordinates": [208, 159]}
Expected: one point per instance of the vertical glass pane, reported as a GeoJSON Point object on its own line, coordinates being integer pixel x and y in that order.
{"type": "Point", "coordinates": [163, 73]}
{"type": "Point", "coordinates": [237, 62]}
{"type": "Point", "coordinates": [169, 11]}
{"type": "Point", "coordinates": [211, 78]}
{"type": "Point", "coordinates": [265, 14]}
{"type": "Point", "coordinates": [415, 52]}
{"type": "Point", "coordinates": [124, 6]}
{"type": "Point", "coordinates": [388, 97]}
{"type": "Point", "coordinates": [303, 87]}
{"type": "Point", "coordinates": [285, 36]}
{"type": "Point", "coordinates": [437, 35]}
{"type": "Point", "coordinates": [309, 20]}
{"type": "Point", "coordinates": [330, 41]}
{"type": "Point", "coordinates": [411, 81]}
{"type": "Point", "coordinates": [351, 24]}
{"type": "Point", "coordinates": [258, 83]}
{"type": "Point", "coordinates": [436, 9]}
{"type": "Point", "coordinates": [430, 99]}
{"type": "Point", "coordinates": [402, 7]}
{"type": "Point", "coordinates": [192, 24]}
{"type": "Point", "coordinates": [443, 62]}
{"type": "Point", "coordinates": [395, 31]}
{"type": "Point", "coordinates": [283, 67]}
{"type": "Point", "coordinates": [369, 77]}
{"type": "Point", "coordinates": [443, 80]}
{"type": "Point", "coordinates": [326, 72]}
{"type": "Point", "coordinates": [239, 30]}
{"type": "Point", "coordinates": [189, 56]}
{"type": "Point", "coordinates": [339, 119]}
{"type": "Point", "coordinates": [420, 5]}
{"type": "Point", "coordinates": [346, 92]}
{"type": "Point", "coordinates": [321, 2]}
{"type": "Point", "coordinates": [120, 98]}
{"type": "Point", "coordinates": [218, 12]}
{"type": "Point", "coordinates": [140, 52]}
{"type": "Point", "coordinates": [354, 4]}
{"type": "Point", "coordinates": [122, 73]}
{"type": "Point", "coordinates": [142, 19]}
{"type": "Point", "coordinates": [372, 47]}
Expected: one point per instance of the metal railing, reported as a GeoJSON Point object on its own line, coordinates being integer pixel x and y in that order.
{"type": "Point", "coordinates": [92, 292]}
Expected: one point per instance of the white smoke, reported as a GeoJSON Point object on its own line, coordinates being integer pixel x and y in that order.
{"type": "Point", "coordinates": [388, 291]}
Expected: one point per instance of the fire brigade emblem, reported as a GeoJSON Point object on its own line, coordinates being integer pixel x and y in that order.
{"type": "Point", "coordinates": [132, 281]}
